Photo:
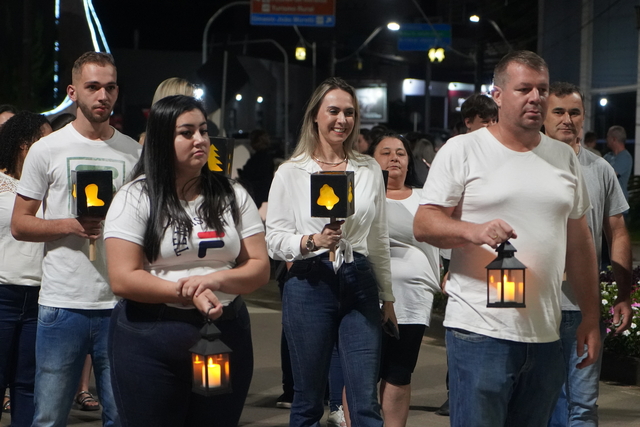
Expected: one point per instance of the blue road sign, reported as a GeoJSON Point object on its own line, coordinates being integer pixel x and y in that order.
{"type": "Point", "coordinates": [423, 37]}
{"type": "Point", "coordinates": [289, 20]}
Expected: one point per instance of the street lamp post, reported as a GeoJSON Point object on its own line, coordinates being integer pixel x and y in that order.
{"type": "Point", "coordinates": [305, 43]}
{"type": "Point", "coordinates": [480, 49]}
{"type": "Point", "coordinates": [205, 34]}
{"type": "Point", "coordinates": [391, 26]}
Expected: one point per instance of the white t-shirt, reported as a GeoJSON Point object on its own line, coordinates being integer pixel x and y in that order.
{"type": "Point", "coordinates": [289, 215]}
{"type": "Point", "coordinates": [203, 252]}
{"type": "Point", "coordinates": [535, 192]}
{"type": "Point", "coordinates": [69, 279]}
{"type": "Point", "coordinates": [415, 266]}
{"type": "Point", "coordinates": [20, 262]}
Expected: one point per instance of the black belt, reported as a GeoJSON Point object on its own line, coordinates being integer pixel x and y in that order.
{"type": "Point", "coordinates": [164, 312]}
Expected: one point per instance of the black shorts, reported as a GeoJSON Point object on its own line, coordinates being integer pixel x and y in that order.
{"type": "Point", "coordinates": [399, 357]}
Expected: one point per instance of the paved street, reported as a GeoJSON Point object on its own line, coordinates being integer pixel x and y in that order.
{"type": "Point", "coordinates": [619, 405]}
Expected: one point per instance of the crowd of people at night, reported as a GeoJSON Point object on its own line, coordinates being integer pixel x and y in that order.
{"type": "Point", "coordinates": [126, 293]}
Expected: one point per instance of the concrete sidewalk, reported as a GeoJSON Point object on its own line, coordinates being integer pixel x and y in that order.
{"type": "Point", "coordinates": [619, 405]}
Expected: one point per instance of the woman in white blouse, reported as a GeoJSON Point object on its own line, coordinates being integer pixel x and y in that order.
{"type": "Point", "coordinates": [325, 302]}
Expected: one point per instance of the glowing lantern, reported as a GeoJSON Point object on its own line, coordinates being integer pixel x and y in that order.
{"type": "Point", "coordinates": [505, 279]}
{"type": "Point", "coordinates": [332, 196]}
{"type": "Point", "coordinates": [92, 192]}
{"type": "Point", "coordinates": [221, 155]}
{"type": "Point", "coordinates": [210, 363]}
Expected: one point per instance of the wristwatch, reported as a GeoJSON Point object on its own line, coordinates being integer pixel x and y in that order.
{"type": "Point", "coordinates": [311, 246]}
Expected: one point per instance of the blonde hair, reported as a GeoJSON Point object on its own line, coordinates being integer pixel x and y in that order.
{"type": "Point", "coordinates": [309, 138]}
{"type": "Point", "coordinates": [173, 86]}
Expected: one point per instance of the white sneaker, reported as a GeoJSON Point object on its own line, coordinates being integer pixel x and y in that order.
{"type": "Point", "coordinates": [336, 418]}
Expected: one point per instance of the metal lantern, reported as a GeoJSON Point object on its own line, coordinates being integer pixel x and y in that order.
{"type": "Point", "coordinates": [210, 363]}
{"type": "Point", "coordinates": [505, 279]}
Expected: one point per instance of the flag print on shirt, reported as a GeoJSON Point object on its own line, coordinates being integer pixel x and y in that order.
{"type": "Point", "coordinates": [214, 240]}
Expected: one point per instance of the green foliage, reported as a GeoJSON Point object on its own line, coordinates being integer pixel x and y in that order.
{"type": "Point", "coordinates": [628, 342]}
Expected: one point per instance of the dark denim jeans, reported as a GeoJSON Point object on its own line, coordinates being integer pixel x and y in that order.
{"type": "Point", "coordinates": [18, 325]}
{"type": "Point", "coordinates": [321, 308]}
{"type": "Point", "coordinates": [496, 382]}
{"type": "Point", "coordinates": [151, 370]}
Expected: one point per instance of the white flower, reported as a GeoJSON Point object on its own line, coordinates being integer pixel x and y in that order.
{"type": "Point", "coordinates": [633, 326]}
{"type": "Point", "coordinates": [626, 333]}
{"type": "Point", "coordinates": [605, 302]}
{"type": "Point", "coordinates": [605, 293]}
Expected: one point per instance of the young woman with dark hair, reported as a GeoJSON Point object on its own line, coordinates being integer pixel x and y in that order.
{"type": "Point", "coordinates": [158, 233]}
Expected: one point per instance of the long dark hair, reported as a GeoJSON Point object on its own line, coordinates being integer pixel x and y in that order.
{"type": "Point", "coordinates": [23, 128]}
{"type": "Point", "coordinates": [411, 180]}
{"type": "Point", "coordinates": [158, 165]}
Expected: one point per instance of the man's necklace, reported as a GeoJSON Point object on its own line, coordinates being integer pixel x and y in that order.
{"type": "Point", "coordinates": [330, 163]}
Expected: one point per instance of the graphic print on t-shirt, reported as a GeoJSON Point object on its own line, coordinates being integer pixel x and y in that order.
{"type": "Point", "coordinates": [214, 240]}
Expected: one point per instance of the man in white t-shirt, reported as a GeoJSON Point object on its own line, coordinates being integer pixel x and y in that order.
{"type": "Point", "coordinates": [510, 182]}
{"type": "Point", "coordinates": [75, 298]}
{"type": "Point", "coordinates": [577, 402]}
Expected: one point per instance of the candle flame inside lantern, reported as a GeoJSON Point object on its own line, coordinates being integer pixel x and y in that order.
{"type": "Point", "coordinates": [350, 197]}
{"type": "Point", "coordinates": [327, 197]}
{"type": "Point", "coordinates": [91, 191]}
{"type": "Point", "coordinates": [214, 377]}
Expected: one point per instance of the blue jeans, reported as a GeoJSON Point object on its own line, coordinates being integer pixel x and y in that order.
{"type": "Point", "coordinates": [336, 381]}
{"type": "Point", "coordinates": [18, 324]}
{"type": "Point", "coordinates": [63, 340]}
{"type": "Point", "coordinates": [577, 401]}
{"type": "Point", "coordinates": [497, 382]}
{"type": "Point", "coordinates": [321, 308]}
{"type": "Point", "coordinates": [151, 368]}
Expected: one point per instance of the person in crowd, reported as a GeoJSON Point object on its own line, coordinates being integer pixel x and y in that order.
{"type": "Point", "coordinates": [325, 301]}
{"type": "Point", "coordinates": [364, 141]}
{"type": "Point", "coordinates": [84, 400]}
{"type": "Point", "coordinates": [169, 87]}
{"type": "Point", "coordinates": [577, 402]}
{"type": "Point", "coordinates": [173, 278]}
{"type": "Point", "coordinates": [478, 195]}
{"type": "Point", "coordinates": [479, 111]}
{"type": "Point", "coordinates": [257, 173]}
{"type": "Point", "coordinates": [423, 154]}
{"type": "Point", "coordinates": [62, 120]}
{"type": "Point", "coordinates": [20, 271]}
{"type": "Point", "coordinates": [6, 112]}
{"type": "Point", "coordinates": [75, 301]}
{"type": "Point", "coordinates": [415, 274]}
{"type": "Point", "coordinates": [590, 142]}
{"type": "Point", "coordinates": [173, 86]}
{"type": "Point", "coordinates": [619, 157]}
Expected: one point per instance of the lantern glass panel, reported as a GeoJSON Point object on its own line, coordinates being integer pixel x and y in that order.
{"type": "Point", "coordinates": [506, 287]}
{"type": "Point", "coordinates": [211, 373]}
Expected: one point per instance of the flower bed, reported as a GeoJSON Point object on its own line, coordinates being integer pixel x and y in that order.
{"type": "Point", "coordinates": [628, 342]}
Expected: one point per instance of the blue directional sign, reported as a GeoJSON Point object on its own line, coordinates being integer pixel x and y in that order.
{"type": "Point", "coordinates": [422, 37]}
{"type": "Point", "coordinates": [309, 13]}
{"type": "Point", "coordinates": [288, 20]}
